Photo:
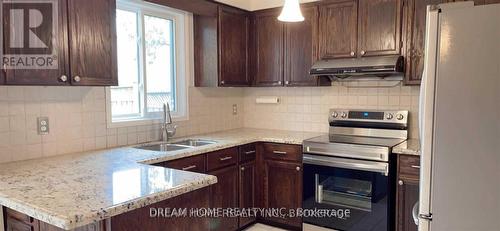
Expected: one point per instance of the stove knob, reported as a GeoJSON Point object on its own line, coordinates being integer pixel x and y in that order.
{"type": "Point", "coordinates": [400, 117]}
{"type": "Point", "coordinates": [389, 116]}
{"type": "Point", "coordinates": [344, 115]}
{"type": "Point", "coordinates": [335, 114]}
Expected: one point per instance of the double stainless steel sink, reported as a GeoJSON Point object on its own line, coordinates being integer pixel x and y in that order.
{"type": "Point", "coordinates": [175, 146]}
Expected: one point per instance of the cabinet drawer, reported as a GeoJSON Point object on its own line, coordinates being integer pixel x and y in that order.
{"type": "Point", "coordinates": [222, 158]}
{"type": "Point", "coordinates": [18, 216]}
{"type": "Point", "coordinates": [282, 152]}
{"type": "Point", "coordinates": [409, 165]}
{"type": "Point", "coordinates": [192, 164]}
{"type": "Point", "coordinates": [15, 225]}
{"type": "Point", "coordinates": [247, 153]}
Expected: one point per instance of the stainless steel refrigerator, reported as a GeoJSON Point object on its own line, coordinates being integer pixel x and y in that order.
{"type": "Point", "coordinates": [460, 120]}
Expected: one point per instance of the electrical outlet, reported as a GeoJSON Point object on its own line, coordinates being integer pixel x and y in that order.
{"type": "Point", "coordinates": [235, 109]}
{"type": "Point", "coordinates": [43, 125]}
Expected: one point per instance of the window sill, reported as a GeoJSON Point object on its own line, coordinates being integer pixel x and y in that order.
{"type": "Point", "coordinates": [141, 121]}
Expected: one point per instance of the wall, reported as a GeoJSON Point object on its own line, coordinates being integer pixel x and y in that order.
{"type": "Point", "coordinates": [252, 5]}
{"type": "Point", "coordinates": [77, 120]}
{"type": "Point", "coordinates": [307, 109]}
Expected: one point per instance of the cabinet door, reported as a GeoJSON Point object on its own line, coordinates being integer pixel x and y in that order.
{"type": "Point", "coordinates": [268, 32]}
{"type": "Point", "coordinates": [233, 47]}
{"type": "Point", "coordinates": [56, 46]}
{"type": "Point", "coordinates": [414, 12]}
{"type": "Point", "coordinates": [338, 29]}
{"type": "Point", "coordinates": [283, 189]}
{"type": "Point", "coordinates": [379, 27]}
{"type": "Point", "coordinates": [224, 194]}
{"type": "Point", "coordinates": [407, 196]}
{"type": "Point", "coordinates": [92, 42]}
{"type": "Point", "coordinates": [247, 191]}
{"type": "Point", "coordinates": [301, 49]}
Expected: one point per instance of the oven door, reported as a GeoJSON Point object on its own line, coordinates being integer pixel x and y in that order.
{"type": "Point", "coordinates": [355, 192]}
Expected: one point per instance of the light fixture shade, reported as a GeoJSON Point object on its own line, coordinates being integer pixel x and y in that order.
{"type": "Point", "coordinates": [291, 12]}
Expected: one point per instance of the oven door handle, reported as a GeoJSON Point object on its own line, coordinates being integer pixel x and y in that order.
{"type": "Point", "coordinates": [362, 165]}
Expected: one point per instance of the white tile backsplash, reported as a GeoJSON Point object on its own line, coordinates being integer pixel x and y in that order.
{"type": "Point", "coordinates": [77, 117]}
{"type": "Point", "coordinates": [306, 108]}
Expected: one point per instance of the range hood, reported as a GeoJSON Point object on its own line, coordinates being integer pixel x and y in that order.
{"type": "Point", "coordinates": [368, 68]}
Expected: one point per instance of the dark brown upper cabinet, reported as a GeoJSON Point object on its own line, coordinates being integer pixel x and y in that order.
{"type": "Point", "coordinates": [221, 48]}
{"type": "Point", "coordinates": [338, 29]}
{"type": "Point", "coordinates": [233, 47]}
{"type": "Point", "coordinates": [359, 28]}
{"type": "Point", "coordinates": [92, 42]}
{"type": "Point", "coordinates": [379, 27]}
{"type": "Point", "coordinates": [40, 76]}
{"type": "Point", "coordinates": [301, 50]}
{"type": "Point", "coordinates": [414, 13]}
{"type": "Point", "coordinates": [268, 35]}
{"type": "Point", "coordinates": [86, 47]}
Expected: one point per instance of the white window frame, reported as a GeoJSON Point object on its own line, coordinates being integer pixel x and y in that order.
{"type": "Point", "coordinates": [181, 39]}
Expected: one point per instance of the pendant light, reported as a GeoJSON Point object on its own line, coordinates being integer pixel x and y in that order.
{"type": "Point", "coordinates": [291, 12]}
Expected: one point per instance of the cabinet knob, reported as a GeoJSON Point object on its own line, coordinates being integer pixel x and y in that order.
{"type": "Point", "coordinates": [77, 79]}
{"type": "Point", "coordinates": [298, 168]}
{"type": "Point", "coordinates": [222, 82]}
{"type": "Point", "coordinates": [400, 182]}
{"type": "Point", "coordinates": [63, 78]}
{"type": "Point", "coordinates": [279, 82]}
{"type": "Point", "coordinates": [353, 53]}
{"type": "Point", "coordinates": [242, 168]}
{"type": "Point", "coordinates": [363, 53]}
{"type": "Point", "coordinates": [287, 82]}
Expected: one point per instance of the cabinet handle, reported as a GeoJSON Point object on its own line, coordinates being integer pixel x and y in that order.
{"type": "Point", "coordinates": [363, 53]}
{"type": "Point", "coordinates": [416, 166]}
{"type": "Point", "coordinates": [279, 152]}
{"type": "Point", "coordinates": [400, 182]}
{"type": "Point", "coordinates": [353, 53]}
{"type": "Point", "coordinates": [77, 79]}
{"type": "Point", "coordinates": [250, 152]}
{"type": "Point", "coordinates": [242, 168]}
{"type": "Point", "coordinates": [189, 167]}
{"type": "Point", "coordinates": [226, 158]}
{"type": "Point", "coordinates": [297, 168]}
{"type": "Point", "coordinates": [63, 78]}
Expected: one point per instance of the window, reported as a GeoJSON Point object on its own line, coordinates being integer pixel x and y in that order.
{"type": "Point", "coordinates": [151, 64]}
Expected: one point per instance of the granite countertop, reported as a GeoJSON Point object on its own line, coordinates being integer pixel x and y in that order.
{"type": "Point", "coordinates": [74, 190]}
{"type": "Point", "coordinates": [409, 147]}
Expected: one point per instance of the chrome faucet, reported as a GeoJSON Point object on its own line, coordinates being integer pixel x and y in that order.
{"type": "Point", "coordinates": [167, 128]}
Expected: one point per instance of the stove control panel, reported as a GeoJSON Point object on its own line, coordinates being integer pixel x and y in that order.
{"type": "Point", "coordinates": [376, 116]}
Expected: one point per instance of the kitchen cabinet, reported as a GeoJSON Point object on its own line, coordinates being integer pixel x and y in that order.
{"type": "Point", "coordinates": [224, 194]}
{"type": "Point", "coordinates": [407, 191]}
{"type": "Point", "coordinates": [379, 27]}
{"type": "Point", "coordinates": [222, 48]}
{"type": "Point", "coordinates": [414, 14]}
{"type": "Point", "coordinates": [268, 42]}
{"type": "Point", "coordinates": [338, 29]}
{"type": "Point", "coordinates": [92, 42]}
{"type": "Point", "coordinates": [247, 182]}
{"type": "Point", "coordinates": [282, 179]}
{"type": "Point", "coordinates": [86, 47]}
{"type": "Point", "coordinates": [360, 28]}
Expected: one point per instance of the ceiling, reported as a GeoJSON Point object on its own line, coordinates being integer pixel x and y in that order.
{"type": "Point", "coordinates": [252, 5]}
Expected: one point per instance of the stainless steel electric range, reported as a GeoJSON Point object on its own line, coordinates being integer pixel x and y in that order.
{"type": "Point", "coordinates": [349, 172]}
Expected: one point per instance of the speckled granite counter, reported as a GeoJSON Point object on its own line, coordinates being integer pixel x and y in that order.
{"type": "Point", "coordinates": [74, 190]}
{"type": "Point", "coordinates": [409, 147]}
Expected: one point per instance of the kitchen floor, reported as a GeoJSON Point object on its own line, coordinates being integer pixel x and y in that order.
{"type": "Point", "coordinates": [262, 227]}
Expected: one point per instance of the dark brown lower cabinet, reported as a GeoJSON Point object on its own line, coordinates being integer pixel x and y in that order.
{"type": "Point", "coordinates": [224, 194]}
{"type": "Point", "coordinates": [283, 189]}
{"type": "Point", "coordinates": [407, 192]}
{"type": "Point", "coordinates": [247, 189]}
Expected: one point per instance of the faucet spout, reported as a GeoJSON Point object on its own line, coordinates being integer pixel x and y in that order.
{"type": "Point", "coordinates": [167, 129]}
